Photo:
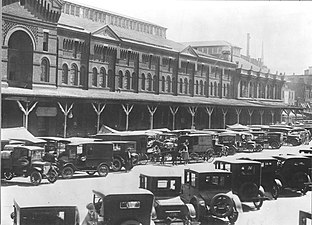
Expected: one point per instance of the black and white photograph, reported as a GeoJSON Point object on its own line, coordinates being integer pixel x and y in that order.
{"type": "Point", "coordinates": [167, 112]}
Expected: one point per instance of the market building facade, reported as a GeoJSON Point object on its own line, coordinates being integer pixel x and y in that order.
{"type": "Point", "coordinates": [67, 69]}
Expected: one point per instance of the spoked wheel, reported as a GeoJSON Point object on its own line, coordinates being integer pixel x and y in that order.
{"type": "Point", "coordinates": [8, 175]}
{"type": "Point", "coordinates": [233, 217]}
{"type": "Point", "coordinates": [35, 178]}
{"type": "Point", "coordinates": [52, 176]}
{"type": "Point", "coordinates": [67, 172]}
{"type": "Point", "coordinates": [103, 170]}
{"type": "Point", "coordinates": [117, 164]}
{"type": "Point", "coordinates": [209, 156]}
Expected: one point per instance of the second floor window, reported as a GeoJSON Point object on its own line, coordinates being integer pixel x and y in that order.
{"type": "Point", "coordinates": [45, 70]}
{"type": "Point", "coordinates": [45, 41]}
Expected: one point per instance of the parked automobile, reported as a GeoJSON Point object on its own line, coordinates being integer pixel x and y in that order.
{"type": "Point", "coordinates": [289, 137]}
{"type": "Point", "coordinates": [210, 192]}
{"type": "Point", "coordinates": [261, 139]}
{"type": "Point", "coordinates": [124, 206]}
{"type": "Point", "coordinates": [268, 174]}
{"type": "Point", "coordinates": [294, 172]}
{"type": "Point", "coordinates": [55, 145]}
{"type": "Point", "coordinates": [275, 139]}
{"type": "Point", "coordinates": [49, 211]}
{"type": "Point", "coordinates": [246, 179]}
{"type": "Point", "coordinates": [87, 156]}
{"type": "Point", "coordinates": [19, 160]}
{"type": "Point", "coordinates": [169, 207]}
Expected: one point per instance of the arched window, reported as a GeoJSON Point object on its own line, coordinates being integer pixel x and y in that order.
{"type": "Point", "coordinates": [64, 74]}
{"type": "Point", "coordinates": [134, 81]}
{"type": "Point", "coordinates": [143, 81]}
{"type": "Point", "coordinates": [185, 86]}
{"type": "Point", "coordinates": [83, 76]}
{"type": "Point", "coordinates": [163, 84]}
{"type": "Point", "coordinates": [168, 84]}
{"type": "Point", "coordinates": [228, 90]}
{"type": "Point", "coordinates": [74, 75]}
{"type": "Point", "coordinates": [201, 85]}
{"type": "Point", "coordinates": [196, 87]}
{"type": "Point", "coordinates": [149, 82]}
{"type": "Point", "coordinates": [45, 70]}
{"type": "Point", "coordinates": [181, 85]}
{"type": "Point", "coordinates": [94, 77]}
{"type": "Point", "coordinates": [120, 79]}
{"type": "Point", "coordinates": [205, 88]}
{"type": "Point", "coordinates": [191, 86]}
{"type": "Point", "coordinates": [211, 89]}
{"type": "Point", "coordinates": [110, 81]}
{"type": "Point", "coordinates": [102, 78]}
{"type": "Point", "coordinates": [155, 83]}
{"type": "Point", "coordinates": [128, 80]}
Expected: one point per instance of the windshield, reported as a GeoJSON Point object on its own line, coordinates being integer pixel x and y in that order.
{"type": "Point", "coordinates": [219, 181]}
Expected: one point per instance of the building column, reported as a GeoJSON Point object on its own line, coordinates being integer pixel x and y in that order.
{"type": "Point", "coordinates": [66, 110]}
{"type": "Point", "coordinates": [26, 112]}
{"type": "Point", "coordinates": [209, 110]}
{"type": "Point", "coordinates": [173, 111]}
{"type": "Point", "coordinates": [98, 110]}
{"type": "Point", "coordinates": [127, 109]}
{"type": "Point", "coordinates": [224, 112]}
{"type": "Point", "coordinates": [272, 115]}
{"type": "Point", "coordinates": [192, 110]}
{"type": "Point", "coordinates": [250, 112]}
{"type": "Point", "coordinates": [151, 110]}
{"type": "Point", "coordinates": [238, 112]}
{"type": "Point", "coordinates": [261, 116]}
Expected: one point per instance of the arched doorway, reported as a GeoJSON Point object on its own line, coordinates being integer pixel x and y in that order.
{"type": "Point", "coordinates": [20, 60]}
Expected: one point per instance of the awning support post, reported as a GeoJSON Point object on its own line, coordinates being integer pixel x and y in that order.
{"type": "Point", "coordinates": [65, 111]}
{"type": "Point", "coordinates": [250, 112]}
{"type": "Point", "coordinates": [26, 112]}
{"type": "Point", "coordinates": [209, 110]}
{"type": "Point", "coordinates": [261, 116]}
{"type": "Point", "coordinates": [224, 112]}
{"type": "Point", "coordinates": [173, 111]}
{"type": "Point", "coordinates": [238, 112]}
{"type": "Point", "coordinates": [98, 110]}
{"type": "Point", "coordinates": [192, 110]}
{"type": "Point", "coordinates": [151, 110]}
{"type": "Point", "coordinates": [127, 110]}
{"type": "Point", "coordinates": [272, 114]}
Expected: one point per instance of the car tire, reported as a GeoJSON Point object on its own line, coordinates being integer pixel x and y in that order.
{"type": "Point", "coordinates": [275, 191]}
{"type": "Point", "coordinates": [226, 204]}
{"type": "Point", "coordinates": [247, 191]}
{"type": "Point", "coordinates": [231, 150]}
{"type": "Point", "coordinates": [259, 203]}
{"type": "Point", "coordinates": [67, 172]}
{"type": "Point", "coordinates": [275, 145]}
{"type": "Point", "coordinates": [117, 164]}
{"type": "Point", "coordinates": [103, 170]}
{"type": "Point", "coordinates": [52, 176]}
{"type": "Point", "coordinates": [91, 173]}
{"type": "Point", "coordinates": [130, 222]}
{"type": "Point", "coordinates": [35, 178]}
{"type": "Point", "coordinates": [299, 179]}
{"type": "Point", "coordinates": [8, 175]}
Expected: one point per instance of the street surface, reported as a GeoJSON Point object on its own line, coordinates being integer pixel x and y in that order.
{"type": "Point", "coordinates": [78, 191]}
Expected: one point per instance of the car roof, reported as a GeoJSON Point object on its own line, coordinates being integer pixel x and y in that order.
{"type": "Point", "coordinates": [258, 157]}
{"type": "Point", "coordinates": [205, 168]}
{"type": "Point", "coordinates": [122, 190]}
{"type": "Point", "coordinates": [42, 201]}
{"type": "Point", "coordinates": [90, 142]}
{"type": "Point", "coordinates": [236, 161]}
{"type": "Point", "coordinates": [116, 142]}
{"type": "Point", "coordinates": [161, 172]}
{"type": "Point", "coordinates": [29, 147]}
{"type": "Point", "coordinates": [290, 157]}
{"type": "Point", "coordinates": [60, 139]}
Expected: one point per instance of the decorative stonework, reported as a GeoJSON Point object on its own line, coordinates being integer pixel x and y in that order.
{"type": "Point", "coordinates": [8, 25]}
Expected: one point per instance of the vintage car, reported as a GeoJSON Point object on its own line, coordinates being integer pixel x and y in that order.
{"type": "Point", "coordinates": [210, 192]}
{"type": "Point", "coordinates": [55, 145]}
{"type": "Point", "coordinates": [294, 172]}
{"type": "Point", "coordinates": [269, 180]}
{"type": "Point", "coordinates": [87, 156]}
{"type": "Point", "coordinates": [246, 179]}
{"type": "Point", "coordinates": [48, 211]}
{"type": "Point", "coordinates": [19, 160]}
{"type": "Point", "coordinates": [124, 206]}
{"type": "Point", "coordinates": [169, 207]}
{"type": "Point", "coordinates": [290, 136]}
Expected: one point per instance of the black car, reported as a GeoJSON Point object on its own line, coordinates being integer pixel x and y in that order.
{"type": "Point", "coordinates": [169, 207]}
{"type": "Point", "coordinates": [19, 160]}
{"type": "Point", "coordinates": [87, 156]}
{"type": "Point", "coordinates": [246, 179]}
{"type": "Point", "coordinates": [210, 192]}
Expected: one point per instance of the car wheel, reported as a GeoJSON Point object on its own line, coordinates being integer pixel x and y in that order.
{"type": "Point", "coordinates": [221, 205]}
{"type": "Point", "coordinates": [233, 217]}
{"type": "Point", "coordinates": [52, 176]}
{"type": "Point", "coordinates": [130, 222]}
{"type": "Point", "coordinates": [91, 173]}
{"type": "Point", "coordinates": [258, 203]}
{"type": "Point", "coordinates": [8, 175]}
{"type": "Point", "coordinates": [35, 178]}
{"type": "Point", "coordinates": [275, 145]}
{"type": "Point", "coordinates": [117, 164]}
{"type": "Point", "coordinates": [247, 191]}
{"type": "Point", "coordinates": [232, 150]}
{"type": "Point", "coordinates": [103, 170]}
{"type": "Point", "coordinates": [194, 156]}
{"type": "Point", "coordinates": [275, 191]}
{"type": "Point", "coordinates": [259, 148]}
{"type": "Point", "coordinates": [197, 209]}
{"type": "Point", "coordinates": [135, 159]}
{"type": "Point", "coordinates": [67, 172]}
{"type": "Point", "coordinates": [299, 179]}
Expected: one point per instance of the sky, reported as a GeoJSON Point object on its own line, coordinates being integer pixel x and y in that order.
{"type": "Point", "coordinates": [283, 28]}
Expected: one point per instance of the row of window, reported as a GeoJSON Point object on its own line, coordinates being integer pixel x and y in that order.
{"type": "Point", "coordinates": [259, 90]}
{"type": "Point", "coordinates": [99, 16]}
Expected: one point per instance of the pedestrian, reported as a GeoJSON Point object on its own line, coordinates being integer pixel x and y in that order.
{"type": "Point", "coordinates": [174, 154]}
{"type": "Point", "coordinates": [185, 152]}
{"type": "Point", "coordinates": [92, 217]}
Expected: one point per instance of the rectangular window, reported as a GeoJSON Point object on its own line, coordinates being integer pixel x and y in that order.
{"type": "Point", "coordinates": [45, 41]}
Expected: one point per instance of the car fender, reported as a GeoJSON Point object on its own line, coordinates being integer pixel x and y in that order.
{"type": "Point", "coordinates": [191, 211]}
{"type": "Point", "coordinates": [237, 203]}
{"type": "Point", "coordinates": [69, 164]}
{"type": "Point", "coordinates": [278, 183]}
{"type": "Point", "coordinates": [261, 189]}
{"type": "Point", "coordinates": [37, 168]}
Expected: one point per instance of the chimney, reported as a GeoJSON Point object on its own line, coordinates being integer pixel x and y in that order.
{"type": "Point", "coordinates": [248, 40]}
